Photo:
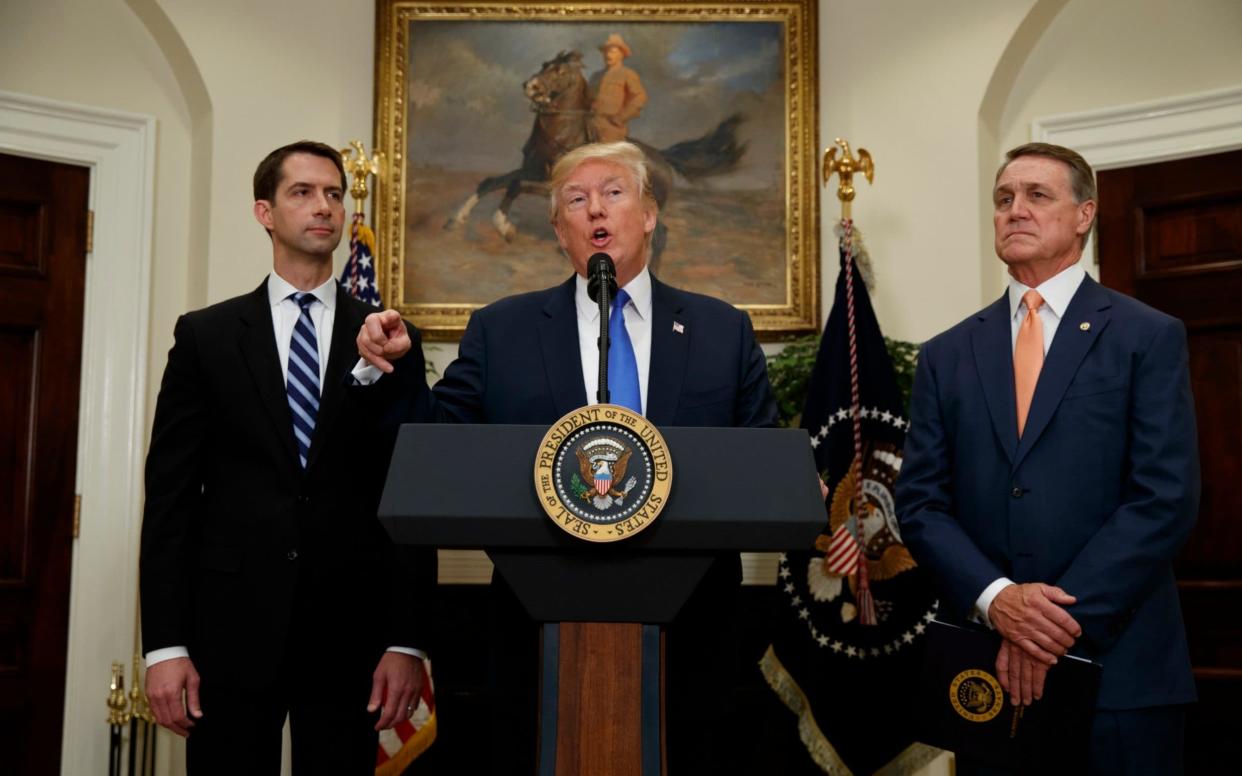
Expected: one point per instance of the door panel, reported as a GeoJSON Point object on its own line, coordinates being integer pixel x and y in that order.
{"type": "Point", "coordinates": [1171, 235]}
{"type": "Point", "coordinates": [42, 280]}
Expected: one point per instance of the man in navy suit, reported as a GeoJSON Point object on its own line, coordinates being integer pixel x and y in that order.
{"type": "Point", "coordinates": [531, 358]}
{"type": "Point", "coordinates": [1051, 470]}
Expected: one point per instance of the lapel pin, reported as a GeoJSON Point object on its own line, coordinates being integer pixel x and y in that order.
{"type": "Point", "coordinates": [677, 327]}
{"type": "Point", "coordinates": [1085, 326]}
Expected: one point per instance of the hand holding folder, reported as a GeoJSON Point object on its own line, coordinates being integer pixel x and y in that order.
{"type": "Point", "coordinates": [964, 708]}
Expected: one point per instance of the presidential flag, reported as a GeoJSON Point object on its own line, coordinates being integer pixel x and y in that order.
{"type": "Point", "coordinates": [847, 651]}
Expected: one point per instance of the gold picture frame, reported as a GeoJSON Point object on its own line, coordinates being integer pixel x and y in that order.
{"type": "Point", "coordinates": [732, 107]}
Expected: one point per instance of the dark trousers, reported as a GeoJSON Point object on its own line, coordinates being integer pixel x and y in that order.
{"type": "Point", "coordinates": [322, 684]}
{"type": "Point", "coordinates": [1134, 742]}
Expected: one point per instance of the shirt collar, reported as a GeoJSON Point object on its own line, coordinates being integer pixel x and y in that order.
{"type": "Point", "coordinates": [1056, 291]}
{"type": "Point", "coordinates": [279, 289]}
{"type": "Point", "coordinates": [639, 290]}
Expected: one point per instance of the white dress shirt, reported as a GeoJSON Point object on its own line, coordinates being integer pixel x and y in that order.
{"type": "Point", "coordinates": [1056, 291]}
{"type": "Point", "coordinates": [285, 314]}
{"type": "Point", "coordinates": [637, 315]}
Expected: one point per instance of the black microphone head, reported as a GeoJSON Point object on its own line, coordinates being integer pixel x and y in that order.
{"type": "Point", "coordinates": [600, 268]}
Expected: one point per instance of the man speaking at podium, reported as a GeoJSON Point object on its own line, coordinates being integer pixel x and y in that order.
{"type": "Point", "coordinates": [680, 359]}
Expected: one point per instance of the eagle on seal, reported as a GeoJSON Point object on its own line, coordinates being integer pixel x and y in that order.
{"type": "Point", "coordinates": [604, 473]}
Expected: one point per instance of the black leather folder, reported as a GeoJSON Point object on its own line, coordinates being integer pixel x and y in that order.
{"type": "Point", "coordinates": [964, 709]}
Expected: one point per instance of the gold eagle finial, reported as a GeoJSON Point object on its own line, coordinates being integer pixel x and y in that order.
{"type": "Point", "coordinates": [360, 168]}
{"type": "Point", "coordinates": [845, 167]}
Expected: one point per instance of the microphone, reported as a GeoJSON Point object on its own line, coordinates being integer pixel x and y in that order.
{"type": "Point", "coordinates": [601, 269]}
{"type": "Point", "coordinates": [602, 287]}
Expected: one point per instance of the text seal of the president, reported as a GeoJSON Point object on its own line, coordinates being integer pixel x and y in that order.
{"type": "Point", "coordinates": [603, 473]}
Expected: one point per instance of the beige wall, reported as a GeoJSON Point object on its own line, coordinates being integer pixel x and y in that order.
{"type": "Point", "coordinates": [100, 54]}
{"type": "Point", "coordinates": [1083, 62]}
{"type": "Point", "coordinates": [936, 91]}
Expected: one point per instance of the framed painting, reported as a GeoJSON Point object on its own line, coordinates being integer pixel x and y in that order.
{"type": "Point", "coordinates": [475, 101]}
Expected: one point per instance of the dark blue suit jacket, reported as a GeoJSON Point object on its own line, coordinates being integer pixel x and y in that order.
{"type": "Point", "coordinates": [1097, 496]}
{"type": "Point", "coordinates": [519, 362]}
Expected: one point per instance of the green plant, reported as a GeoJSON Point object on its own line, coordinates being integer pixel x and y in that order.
{"type": "Point", "coordinates": [790, 370]}
{"type": "Point", "coordinates": [905, 356]}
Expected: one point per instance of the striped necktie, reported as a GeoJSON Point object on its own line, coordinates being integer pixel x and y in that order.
{"type": "Point", "coordinates": [302, 385]}
{"type": "Point", "coordinates": [622, 365]}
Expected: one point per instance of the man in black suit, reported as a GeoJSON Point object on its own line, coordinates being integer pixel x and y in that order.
{"type": "Point", "coordinates": [268, 585]}
{"type": "Point", "coordinates": [531, 358]}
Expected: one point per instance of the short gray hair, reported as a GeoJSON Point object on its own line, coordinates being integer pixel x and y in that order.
{"type": "Point", "coordinates": [1081, 176]}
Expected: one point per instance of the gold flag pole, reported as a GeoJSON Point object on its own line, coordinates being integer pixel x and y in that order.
{"type": "Point", "coordinates": [845, 167]}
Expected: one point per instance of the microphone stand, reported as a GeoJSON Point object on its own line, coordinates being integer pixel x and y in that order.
{"type": "Point", "coordinates": [603, 394]}
{"type": "Point", "coordinates": [601, 284]}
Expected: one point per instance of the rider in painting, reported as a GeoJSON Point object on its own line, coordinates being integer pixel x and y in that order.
{"type": "Point", "coordinates": [618, 94]}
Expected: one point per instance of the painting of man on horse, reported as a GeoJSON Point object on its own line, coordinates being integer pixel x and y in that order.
{"type": "Point", "coordinates": [564, 120]}
{"type": "Point", "coordinates": [719, 189]}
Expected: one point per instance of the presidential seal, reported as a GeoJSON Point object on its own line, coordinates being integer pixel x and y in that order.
{"type": "Point", "coordinates": [976, 695]}
{"type": "Point", "coordinates": [603, 473]}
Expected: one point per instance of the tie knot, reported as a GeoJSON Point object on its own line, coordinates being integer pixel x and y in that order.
{"type": "Point", "coordinates": [304, 299]}
{"type": "Point", "coordinates": [621, 300]}
{"type": "Point", "coordinates": [1032, 300]}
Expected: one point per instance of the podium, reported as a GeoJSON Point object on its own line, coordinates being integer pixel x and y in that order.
{"type": "Point", "coordinates": [471, 486]}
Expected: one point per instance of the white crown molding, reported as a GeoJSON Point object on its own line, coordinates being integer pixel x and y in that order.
{"type": "Point", "coordinates": [119, 149]}
{"type": "Point", "coordinates": [1174, 128]}
{"type": "Point", "coordinates": [1146, 132]}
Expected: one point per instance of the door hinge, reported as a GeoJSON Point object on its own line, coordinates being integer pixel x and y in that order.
{"type": "Point", "coordinates": [77, 515]}
{"type": "Point", "coordinates": [90, 233]}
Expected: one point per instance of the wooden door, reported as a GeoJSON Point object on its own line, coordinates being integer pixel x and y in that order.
{"type": "Point", "coordinates": [43, 224]}
{"type": "Point", "coordinates": [1171, 235]}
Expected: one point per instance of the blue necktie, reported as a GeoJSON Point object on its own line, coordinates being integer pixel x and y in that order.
{"type": "Point", "coordinates": [622, 366]}
{"type": "Point", "coordinates": [302, 386]}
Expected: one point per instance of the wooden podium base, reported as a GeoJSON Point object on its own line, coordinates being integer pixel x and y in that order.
{"type": "Point", "coordinates": [601, 699]}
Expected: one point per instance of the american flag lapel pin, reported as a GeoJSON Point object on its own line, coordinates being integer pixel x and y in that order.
{"type": "Point", "coordinates": [677, 327]}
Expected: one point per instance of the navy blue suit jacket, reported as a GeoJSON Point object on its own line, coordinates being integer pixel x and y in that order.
{"type": "Point", "coordinates": [1096, 497]}
{"type": "Point", "coordinates": [519, 362]}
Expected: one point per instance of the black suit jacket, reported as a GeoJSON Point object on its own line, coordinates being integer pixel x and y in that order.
{"type": "Point", "coordinates": [241, 548]}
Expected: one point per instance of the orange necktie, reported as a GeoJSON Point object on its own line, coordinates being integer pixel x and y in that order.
{"type": "Point", "coordinates": [1028, 355]}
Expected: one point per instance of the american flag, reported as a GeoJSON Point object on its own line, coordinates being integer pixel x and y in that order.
{"type": "Point", "coordinates": [358, 277]}
{"type": "Point", "coordinates": [405, 741]}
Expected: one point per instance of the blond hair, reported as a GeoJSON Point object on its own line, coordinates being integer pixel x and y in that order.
{"type": "Point", "coordinates": [621, 152]}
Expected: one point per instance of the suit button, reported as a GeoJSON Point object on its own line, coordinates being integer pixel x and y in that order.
{"type": "Point", "coordinates": [1016, 492]}
{"type": "Point", "coordinates": [291, 555]}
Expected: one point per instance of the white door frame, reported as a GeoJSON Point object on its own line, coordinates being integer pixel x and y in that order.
{"type": "Point", "coordinates": [119, 149]}
{"type": "Point", "coordinates": [1146, 132]}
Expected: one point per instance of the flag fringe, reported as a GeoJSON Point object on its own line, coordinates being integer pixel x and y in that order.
{"type": "Point", "coordinates": [911, 759]}
{"type": "Point", "coordinates": [415, 746]}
